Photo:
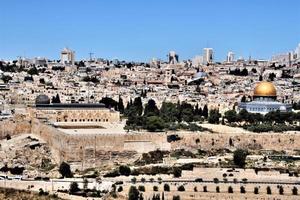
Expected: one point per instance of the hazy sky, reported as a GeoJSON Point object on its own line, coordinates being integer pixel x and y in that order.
{"type": "Point", "coordinates": [142, 29]}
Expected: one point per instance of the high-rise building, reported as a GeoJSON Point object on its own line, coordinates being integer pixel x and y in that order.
{"type": "Point", "coordinates": [230, 57]}
{"type": "Point", "coordinates": [208, 55]}
{"type": "Point", "coordinates": [297, 52]}
{"type": "Point", "coordinates": [67, 56]}
{"type": "Point", "coordinates": [173, 57]}
{"type": "Point", "coordinates": [197, 60]}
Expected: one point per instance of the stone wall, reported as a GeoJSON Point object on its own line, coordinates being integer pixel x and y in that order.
{"type": "Point", "coordinates": [269, 141]}
{"type": "Point", "coordinates": [14, 127]}
{"type": "Point", "coordinates": [90, 150]}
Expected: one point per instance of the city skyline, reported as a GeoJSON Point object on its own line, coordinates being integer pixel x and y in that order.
{"type": "Point", "coordinates": [135, 31]}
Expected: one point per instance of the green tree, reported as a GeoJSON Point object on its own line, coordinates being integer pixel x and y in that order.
{"type": "Point", "coordinates": [281, 191]}
{"type": "Point", "coordinates": [74, 187]}
{"type": "Point", "coordinates": [154, 123]}
{"type": "Point", "coordinates": [295, 190]}
{"type": "Point", "coordinates": [169, 112]}
{"type": "Point", "coordinates": [231, 116]}
{"type": "Point", "coordinates": [138, 105]}
{"type": "Point", "coordinates": [214, 116]}
{"type": "Point", "coordinates": [121, 105]}
{"type": "Point", "coordinates": [205, 111]}
{"type": "Point", "coordinates": [151, 109]}
{"type": "Point", "coordinates": [133, 193]}
{"type": "Point", "coordinates": [186, 112]}
{"type": "Point", "coordinates": [141, 188]}
{"type": "Point", "coordinates": [33, 71]}
{"type": "Point", "coordinates": [176, 172]}
{"type": "Point", "coordinates": [166, 187]}
{"type": "Point", "coordinates": [230, 189]}
{"type": "Point", "coordinates": [269, 190]}
{"type": "Point", "coordinates": [124, 170]}
{"type": "Point", "coordinates": [243, 190]}
{"type": "Point", "coordinates": [65, 170]}
{"type": "Point", "coordinates": [181, 188]}
{"type": "Point", "coordinates": [256, 190]}
{"type": "Point", "coordinates": [239, 157]}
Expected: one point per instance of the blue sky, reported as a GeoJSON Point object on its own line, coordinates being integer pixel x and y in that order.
{"type": "Point", "coordinates": [141, 29]}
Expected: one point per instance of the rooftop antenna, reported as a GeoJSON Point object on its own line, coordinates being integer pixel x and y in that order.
{"type": "Point", "coordinates": [91, 56]}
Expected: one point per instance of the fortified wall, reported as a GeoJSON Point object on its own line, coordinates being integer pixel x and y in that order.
{"type": "Point", "coordinates": [255, 141]}
{"type": "Point", "coordinates": [14, 126]}
{"type": "Point", "coordinates": [90, 150]}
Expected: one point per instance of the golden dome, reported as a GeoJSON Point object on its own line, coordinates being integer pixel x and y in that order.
{"type": "Point", "coordinates": [265, 89]}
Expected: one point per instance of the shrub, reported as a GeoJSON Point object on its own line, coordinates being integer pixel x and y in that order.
{"type": "Point", "coordinates": [143, 180]}
{"type": "Point", "coordinates": [295, 190]}
{"type": "Point", "coordinates": [239, 157]}
{"type": "Point", "coordinates": [269, 190]}
{"type": "Point", "coordinates": [120, 189]}
{"type": "Point", "coordinates": [176, 197]}
{"type": "Point", "coordinates": [155, 188]}
{"type": "Point", "coordinates": [243, 189]}
{"type": "Point", "coordinates": [133, 193]}
{"type": "Point", "coordinates": [124, 170]}
{"type": "Point", "coordinates": [133, 180]}
{"type": "Point", "coordinates": [159, 179]}
{"type": "Point", "coordinates": [141, 188]}
{"type": "Point", "coordinates": [41, 192]}
{"type": "Point", "coordinates": [256, 190]}
{"type": "Point", "coordinates": [281, 191]}
{"type": "Point", "coordinates": [166, 187]}
{"type": "Point", "coordinates": [216, 180]}
{"type": "Point", "coordinates": [230, 189]}
{"type": "Point", "coordinates": [181, 188]}
{"type": "Point", "coordinates": [176, 172]}
{"type": "Point", "coordinates": [195, 189]}
{"type": "Point", "coordinates": [65, 170]}
{"type": "Point", "coordinates": [74, 188]}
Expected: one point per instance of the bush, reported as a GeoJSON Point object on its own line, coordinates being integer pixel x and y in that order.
{"type": "Point", "coordinates": [74, 188]}
{"type": "Point", "coordinates": [195, 189]}
{"type": "Point", "coordinates": [133, 180]}
{"type": "Point", "coordinates": [166, 187]}
{"type": "Point", "coordinates": [181, 188]}
{"type": "Point", "coordinates": [133, 193]}
{"type": "Point", "coordinates": [281, 191]}
{"type": "Point", "coordinates": [120, 189]}
{"type": "Point", "coordinates": [269, 190]}
{"type": "Point", "coordinates": [230, 189]}
{"type": "Point", "coordinates": [124, 170]}
{"type": "Point", "coordinates": [176, 197]}
{"type": "Point", "coordinates": [65, 170]}
{"type": "Point", "coordinates": [155, 188]}
{"type": "Point", "coordinates": [256, 191]}
{"type": "Point", "coordinates": [143, 180]}
{"type": "Point", "coordinates": [176, 172]}
{"type": "Point", "coordinates": [239, 157]}
{"type": "Point", "coordinates": [243, 189]}
{"type": "Point", "coordinates": [295, 191]}
{"type": "Point", "coordinates": [141, 188]}
{"type": "Point", "coordinates": [216, 180]}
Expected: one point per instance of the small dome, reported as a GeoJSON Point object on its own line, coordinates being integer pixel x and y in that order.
{"type": "Point", "coordinates": [265, 89]}
{"type": "Point", "coordinates": [42, 99]}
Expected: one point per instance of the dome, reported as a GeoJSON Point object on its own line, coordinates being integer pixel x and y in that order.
{"type": "Point", "coordinates": [265, 89]}
{"type": "Point", "coordinates": [42, 99]}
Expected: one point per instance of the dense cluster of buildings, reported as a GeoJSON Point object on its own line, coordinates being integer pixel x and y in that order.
{"type": "Point", "coordinates": [201, 81]}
